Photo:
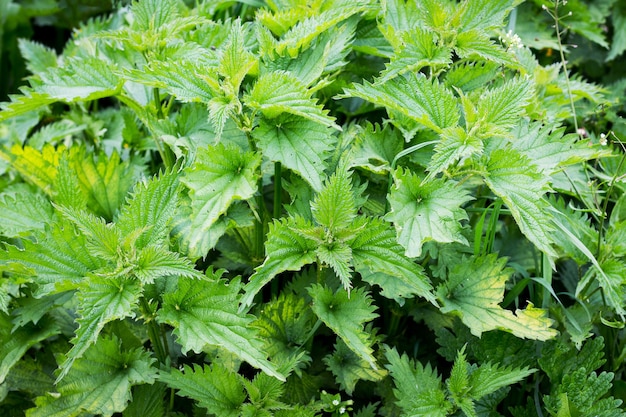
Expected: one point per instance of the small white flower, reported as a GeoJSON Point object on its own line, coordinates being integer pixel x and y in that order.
{"type": "Point", "coordinates": [335, 402]}
{"type": "Point", "coordinates": [342, 410]}
{"type": "Point", "coordinates": [603, 140]}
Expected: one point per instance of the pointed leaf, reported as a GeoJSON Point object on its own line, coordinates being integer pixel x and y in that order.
{"type": "Point", "coordinates": [298, 144]}
{"type": "Point", "coordinates": [214, 387]}
{"type": "Point", "coordinates": [280, 92]}
{"type": "Point", "coordinates": [412, 95]}
{"type": "Point", "coordinates": [78, 80]}
{"type": "Point", "coordinates": [287, 250]}
{"type": "Point", "coordinates": [380, 260]}
{"type": "Point", "coordinates": [376, 148]}
{"type": "Point", "coordinates": [420, 48]}
{"type": "Point", "coordinates": [335, 206]}
{"type": "Point", "coordinates": [346, 314]}
{"type": "Point", "coordinates": [205, 313]}
{"type": "Point", "coordinates": [58, 261]}
{"type": "Point", "coordinates": [456, 145]}
{"type": "Point", "coordinates": [348, 368]}
{"type": "Point", "coordinates": [221, 175]}
{"type": "Point", "coordinates": [24, 212]}
{"type": "Point", "coordinates": [104, 180]}
{"type": "Point", "coordinates": [29, 100]}
{"type": "Point", "coordinates": [473, 290]}
{"type": "Point", "coordinates": [101, 300]}
{"type": "Point", "coordinates": [36, 167]}
{"type": "Point", "coordinates": [155, 262]}
{"type": "Point", "coordinates": [150, 209]}
{"type": "Point", "coordinates": [426, 211]}
{"type": "Point", "coordinates": [103, 238]}
{"type": "Point", "coordinates": [499, 109]}
{"type": "Point", "coordinates": [418, 389]}
{"type": "Point", "coordinates": [516, 180]}
{"type": "Point", "coordinates": [99, 383]}
{"type": "Point", "coordinates": [37, 56]}
{"type": "Point", "coordinates": [476, 44]}
{"type": "Point", "coordinates": [188, 81]}
{"type": "Point", "coordinates": [16, 342]}
{"type": "Point", "coordinates": [236, 61]}
{"type": "Point", "coordinates": [489, 378]}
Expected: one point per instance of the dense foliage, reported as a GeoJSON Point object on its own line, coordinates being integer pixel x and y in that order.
{"type": "Point", "coordinates": [320, 208]}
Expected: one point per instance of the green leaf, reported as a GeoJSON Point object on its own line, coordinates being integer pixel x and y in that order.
{"type": "Point", "coordinates": [335, 207]}
{"type": "Point", "coordinates": [380, 260]}
{"type": "Point", "coordinates": [345, 314]}
{"type": "Point", "coordinates": [147, 401]}
{"type": "Point", "coordinates": [214, 387]}
{"type": "Point", "coordinates": [55, 132]}
{"type": "Point", "coordinates": [473, 291]}
{"type": "Point", "coordinates": [153, 14]}
{"type": "Point", "coordinates": [155, 262]}
{"type": "Point", "coordinates": [514, 178]}
{"type": "Point", "coordinates": [37, 167]}
{"type": "Point", "coordinates": [618, 43]}
{"type": "Point", "coordinates": [99, 383]}
{"type": "Point", "coordinates": [489, 378]}
{"type": "Point", "coordinates": [305, 31]}
{"type": "Point", "coordinates": [15, 342]}
{"type": "Point", "coordinates": [205, 313]}
{"type": "Point", "coordinates": [549, 148]}
{"type": "Point", "coordinates": [582, 393]}
{"type": "Point", "coordinates": [349, 368]}
{"type": "Point", "coordinates": [499, 109]}
{"type": "Point", "coordinates": [57, 262]}
{"type": "Point", "coordinates": [609, 274]}
{"type": "Point", "coordinates": [104, 180]}
{"type": "Point", "coordinates": [24, 212]}
{"type": "Point", "coordinates": [412, 95]}
{"type": "Point", "coordinates": [459, 384]}
{"type": "Point", "coordinates": [418, 389]}
{"type": "Point", "coordinates": [420, 48]}
{"type": "Point", "coordinates": [280, 92]}
{"type": "Point", "coordinates": [477, 45]}
{"type": "Point", "coordinates": [186, 80]}
{"type": "Point", "coordinates": [287, 250]}
{"type": "Point", "coordinates": [375, 148]}
{"type": "Point", "coordinates": [338, 256]}
{"type": "Point", "coordinates": [469, 76]}
{"type": "Point", "coordinates": [81, 80]}
{"type": "Point", "coordinates": [236, 61]}
{"type": "Point", "coordinates": [485, 14]}
{"type": "Point", "coordinates": [221, 175]}
{"type": "Point", "coordinates": [29, 100]}
{"type": "Point", "coordinates": [149, 210]}
{"type": "Point", "coordinates": [298, 144]}
{"type": "Point", "coordinates": [426, 211]}
{"type": "Point", "coordinates": [456, 146]}
{"type": "Point", "coordinates": [101, 300]}
{"type": "Point", "coordinates": [103, 238]}
{"type": "Point", "coordinates": [37, 56]}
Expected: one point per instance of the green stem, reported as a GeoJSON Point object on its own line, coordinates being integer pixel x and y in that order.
{"type": "Point", "coordinates": [278, 190]}
{"type": "Point", "coordinates": [564, 63]}
{"type": "Point", "coordinates": [154, 331]}
{"type": "Point", "coordinates": [259, 223]}
{"type": "Point", "coordinates": [606, 204]}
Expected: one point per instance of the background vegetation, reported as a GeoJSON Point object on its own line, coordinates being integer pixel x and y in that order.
{"type": "Point", "coordinates": [314, 208]}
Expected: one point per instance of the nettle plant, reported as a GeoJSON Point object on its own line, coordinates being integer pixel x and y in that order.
{"type": "Point", "coordinates": [339, 208]}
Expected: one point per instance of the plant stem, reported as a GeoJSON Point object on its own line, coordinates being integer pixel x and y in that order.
{"type": "Point", "coordinates": [154, 331]}
{"type": "Point", "coordinates": [278, 189]}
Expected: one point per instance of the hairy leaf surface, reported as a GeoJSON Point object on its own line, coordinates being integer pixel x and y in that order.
{"type": "Point", "coordinates": [345, 314]}
{"type": "Point", "coordinates": [205, 313]}
{"type": "Point", "coordinates": [426, 211]}
{"type": "Point", "coordinates": [473, 290]}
